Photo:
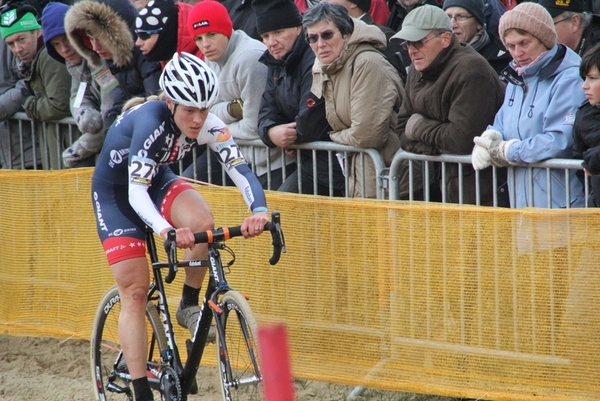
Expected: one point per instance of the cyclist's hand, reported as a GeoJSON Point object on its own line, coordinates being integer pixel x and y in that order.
{"type": "Point", "coordinates": [184, 236]}
{"type": "Point", "coordinates": [255, 224]}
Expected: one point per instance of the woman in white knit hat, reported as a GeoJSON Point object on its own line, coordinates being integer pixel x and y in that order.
{"type": "Point", "coordinates": [536, 119]}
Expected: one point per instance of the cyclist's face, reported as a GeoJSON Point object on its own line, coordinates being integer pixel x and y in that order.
{"type": "Point", "coordinates": [188, 119]}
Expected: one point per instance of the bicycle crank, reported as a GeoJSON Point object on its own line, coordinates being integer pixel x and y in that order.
{"type": "Point", "coordinates": [170, 387]}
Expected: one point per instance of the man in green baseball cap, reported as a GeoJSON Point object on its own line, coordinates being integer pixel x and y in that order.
{"type": "Point", "coordinates": [45, 87]}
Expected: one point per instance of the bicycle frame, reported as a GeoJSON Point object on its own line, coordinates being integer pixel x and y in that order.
{"type": "Point", "coordinates": [217, 285]}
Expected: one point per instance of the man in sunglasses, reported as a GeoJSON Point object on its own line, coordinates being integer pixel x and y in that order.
{"type": "Point", "coordinates": [576, 26]}
{"type": "Point", "coordinates": [452, 94]}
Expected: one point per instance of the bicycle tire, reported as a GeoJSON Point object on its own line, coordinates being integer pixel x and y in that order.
{"type": "Point", "coordinates": [245, 383]}
{"type": "Point", "coordinates": [105, 349]}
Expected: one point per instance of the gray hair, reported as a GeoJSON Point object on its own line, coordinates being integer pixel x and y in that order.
{"type": "Point", "coordinates": [335, 13]}
{"type": "Point", "coordinates": [585, 18]}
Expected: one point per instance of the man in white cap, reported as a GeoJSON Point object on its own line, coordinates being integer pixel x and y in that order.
{"type": "Point", "coordinates": [452, 94]}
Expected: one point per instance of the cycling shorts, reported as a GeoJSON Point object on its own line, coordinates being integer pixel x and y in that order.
{"type": "Point", "coordinates": [121, 231]}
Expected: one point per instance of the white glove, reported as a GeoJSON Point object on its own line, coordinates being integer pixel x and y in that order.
{"type": "Point", "coordinates": [87, 145]}
{"type": "Point", "coordinates": [496, 147]}
{"type": "Point", "coordinates": [89, 120]}
{"type": "Point", "coordinates": [480, 157]}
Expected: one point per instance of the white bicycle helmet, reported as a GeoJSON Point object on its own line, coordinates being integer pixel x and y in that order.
{"type": "Point", "coordinates": [187, 80]}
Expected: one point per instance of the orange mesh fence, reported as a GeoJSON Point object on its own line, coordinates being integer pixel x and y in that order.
{"type": "Point", "coordinates": [429, 298]}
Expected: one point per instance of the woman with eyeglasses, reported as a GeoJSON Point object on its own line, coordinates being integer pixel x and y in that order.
{"type": "Point", "coordinates": [535, 122]}
{"type": "Point", "coordinates": [468, 25]}
{"type": "Point", "coordinates": [362, 90]}
{"type": "Point", "coordinates": [161, 30]}
{"type": "Point", "coordinates": [102, 31]}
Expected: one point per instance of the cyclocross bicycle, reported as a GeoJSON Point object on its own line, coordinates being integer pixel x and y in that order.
{"type": "Point", "coordinates": [237, 358]}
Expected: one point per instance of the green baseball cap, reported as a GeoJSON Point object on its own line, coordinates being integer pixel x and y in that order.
{"type": "Point", "coordinates": [10, 23]}
{"type": "Point", "coordinates": [419, 22]}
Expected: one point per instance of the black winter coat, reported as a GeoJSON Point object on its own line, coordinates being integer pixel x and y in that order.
{"type": "Point", "coordinates": [586, 146]}
{"type": "Point", "coordinates": [287, 98]}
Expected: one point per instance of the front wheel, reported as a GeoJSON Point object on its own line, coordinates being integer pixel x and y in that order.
{"type": "Point", "coordinates": [109, 371]}
{"type": "Point", "coordinates": [237, 352]}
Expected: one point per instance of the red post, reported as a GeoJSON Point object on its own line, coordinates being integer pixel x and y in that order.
{"type": "Point", "coordinates": [275, 363]}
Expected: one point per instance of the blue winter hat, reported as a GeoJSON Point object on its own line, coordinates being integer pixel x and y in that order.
{"type": "Point", "coordinates": [53, 25]}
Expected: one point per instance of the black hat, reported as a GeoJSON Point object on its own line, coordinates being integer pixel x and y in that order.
{"type": "Point", "coordinates": [475, 7]}
{"type": "Point", "coordinates": [275, 14]}
{"type": "Point", "coordinates": [557, 7]}
{"type": "Point", "coordinates": [364, 5]}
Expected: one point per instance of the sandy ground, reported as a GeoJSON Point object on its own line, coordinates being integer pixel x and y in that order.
{"type": "Point", "coordinates": [48, 369]}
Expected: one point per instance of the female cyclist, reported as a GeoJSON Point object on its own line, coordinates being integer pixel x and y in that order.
{"type": "Point", "coordinates": [132, 187]}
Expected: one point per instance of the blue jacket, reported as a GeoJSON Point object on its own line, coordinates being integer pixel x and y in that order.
{"type": "Point", "coordinates": [538, 111]}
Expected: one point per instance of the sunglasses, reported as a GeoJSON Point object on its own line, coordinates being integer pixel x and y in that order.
{"type": "Point", "coordinates": [418, 44]}
{"type": "Point", "coordinates": [327, 35]}
{"type": "Point", "coordinates": [145, 34]}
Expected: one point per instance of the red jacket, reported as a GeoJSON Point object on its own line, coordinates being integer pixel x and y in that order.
{"type": "Point", "coordinates": [379, 11]}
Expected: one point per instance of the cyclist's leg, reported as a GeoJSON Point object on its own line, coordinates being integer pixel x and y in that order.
{"type": "Point", "coordinates": [176, 199]}
{"type": "Point", "coordinates": [200, 220]}
{"type": "Point", "coordinates": [123, 238]}
{"type": "Point", "coordinates": [132, 277]}
{"type": "Point", "coordinates": [179, 199]}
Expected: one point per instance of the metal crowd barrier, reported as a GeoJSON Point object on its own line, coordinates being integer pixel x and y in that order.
{"type": "Point", "coordinates": [39, 145]}
{"type": "Point", "coordinates": [51, 138]}
{"type": "Point", "coordinates": [447, 159]}
{"type": "Point", "coordinates": [332, 149]}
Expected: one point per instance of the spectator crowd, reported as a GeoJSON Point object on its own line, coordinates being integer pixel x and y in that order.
{"type": "Point", "coordinates": [509, 83]}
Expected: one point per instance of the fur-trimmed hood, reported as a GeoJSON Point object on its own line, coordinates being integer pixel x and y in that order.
{"type": "Point", "coordinates": [109, 21]}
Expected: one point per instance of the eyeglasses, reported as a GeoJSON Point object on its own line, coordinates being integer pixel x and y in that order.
{"type": "Point", "coordinates": [145, 34]}
{"type": "Point", "coordinates": [561, 20]}
{"type": "Point", "coordinates": [327, 35]}
{"type": "Point", "coordinates": [459, 17]}
{"type": "Point", "coordinates": [418, 44]}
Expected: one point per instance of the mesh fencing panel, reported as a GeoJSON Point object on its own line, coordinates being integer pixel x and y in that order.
{"type": "Point", "coordinates": [442, 299]}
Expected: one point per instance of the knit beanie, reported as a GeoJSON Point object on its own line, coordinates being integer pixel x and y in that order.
{"type": "Point", "coordinates": [18, 19]}
{"type": "Point", "coordinates": [474, 7]}
{"type": "Point", "coordinates": [53, 25]}
{"type": "Point", "coordinates": [209, 16]}
{"type": "Point", "coordinates": [160, 15]}
{"type": "Point", "coordinates": [156, 15]}
{"type": "Point", "coordinates": [275, 14]}
{"type": "Point", "coordinates": [531, 18]}
{"type": "Point", "coordinates": [364, 5]}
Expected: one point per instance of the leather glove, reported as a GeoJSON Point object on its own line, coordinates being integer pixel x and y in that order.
{"type": "Point", "coordinates": [235, 108]}
{"type": "Point", "coordinates": [89, 120]}
{"type": "Point", "coordinates": [480, 157]}
{"type": "Point", "coordinates": [497, 148]}
{"type": "Point", "coordinates": [410, 131]}
{"type": "Point", "coordinates": [87, 145]}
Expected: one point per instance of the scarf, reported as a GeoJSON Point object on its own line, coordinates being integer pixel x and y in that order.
{"type": "Point", "coordinates": [480, 40]}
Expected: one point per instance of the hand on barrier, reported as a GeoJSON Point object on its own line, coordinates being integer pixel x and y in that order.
{"type": "Point", "coordinates": [496, 147]}
{"type": "Point", "coordinates": [235, 108]}
{"type": "Point", "coordinates": [89, 120]}
{"type": "Point", "coordinates": [410, 131]}
{"type": "Point", "coordinates": [87, 145]}
{"type": "Point", "coordinates": [480, 157]}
